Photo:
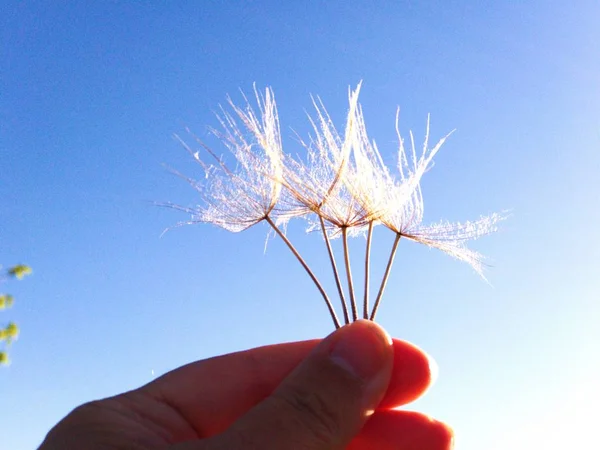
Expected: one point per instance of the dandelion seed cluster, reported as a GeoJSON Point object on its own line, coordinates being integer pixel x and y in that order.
{"type": "Point", "coordinates": [341, 187]}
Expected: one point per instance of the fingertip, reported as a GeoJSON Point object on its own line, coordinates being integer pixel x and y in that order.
{"type": "Point", "coordinates": [439, 435]}
{"type": "Point", "coordinates": [445, 434]}
{"type": "Point", "coordinates": [404, 430]}
{"type": "Point", "coordinates": [413, 373]}
{"type": "Point", "coordinates": [364, 348]}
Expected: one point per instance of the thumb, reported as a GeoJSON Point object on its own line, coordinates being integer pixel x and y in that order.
{"type": "Point", "coordinates": [326, 400]}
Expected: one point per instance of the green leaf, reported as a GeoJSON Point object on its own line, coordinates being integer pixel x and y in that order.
{"type": "Point", "coordinates": [12, 330]}
{"type": "Point", "coordinates": [19, 271]}
{"type": "Point", "coordinates": [6, 301]}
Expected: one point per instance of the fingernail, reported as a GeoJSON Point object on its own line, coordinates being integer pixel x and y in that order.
{"type": "Point", "coordinates": [363, 348]}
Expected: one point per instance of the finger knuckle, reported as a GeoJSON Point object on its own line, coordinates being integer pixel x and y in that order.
{"type": "Point", "coordinates": [312, 413]}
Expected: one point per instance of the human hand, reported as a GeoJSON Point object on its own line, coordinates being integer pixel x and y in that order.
{"type": "Point", "coordinates": [312, 395]}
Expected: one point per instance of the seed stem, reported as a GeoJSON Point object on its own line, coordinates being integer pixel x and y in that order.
{"type": "Point", "coordinates": [335, 271]}
{"type": "Point", "coordinates": [349, 273]}
{"type": "Point", "coordinates": [367, 270]}
{"type": "Point", "coordinates": [310, 273]}
{"type": "Point", "coordinates": [386, 275]}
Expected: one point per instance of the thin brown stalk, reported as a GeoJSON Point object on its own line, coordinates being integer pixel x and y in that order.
{"type": "Point", "coordinates": [310, 273]}
{"type": "Point", "coordinates": [335, 271]}
{"type": "Point", "coordinates": [367, 270]}
{"type": "Point", "coordinates": [386, 275]}
{"type": "Point", "coordinates": [349, 273]}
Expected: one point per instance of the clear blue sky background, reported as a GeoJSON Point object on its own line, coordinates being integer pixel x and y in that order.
{"type": "Point", "coordinates": [92, 92]}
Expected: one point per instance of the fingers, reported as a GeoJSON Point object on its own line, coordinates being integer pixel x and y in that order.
{"type": "Point", "coordinates": [385, 430]}
{"type": "Point", "coordinates": [414, 371]}
{"type": "Point", "coordinates": [246, 378]}
{"type": "Point", "coordinates": [325, 401]}
{"type": "Point", "coordinates": [403, 430]}
{"type": "Point", "coordinates": [213, 393]}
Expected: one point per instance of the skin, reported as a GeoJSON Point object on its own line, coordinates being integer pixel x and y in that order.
{"type": "Point", "coordinates": [335, 393]}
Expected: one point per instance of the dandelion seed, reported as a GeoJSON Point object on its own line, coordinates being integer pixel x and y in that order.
{"type": "Point", "coordinates": [318, 188]}
{"type": "Point", "coordinates": [237, 199]}
{"type": "Point", "coordinates": [319, 185]}
{"type": "Point", "coordinates": [342, 187]}
{"type": "Point", "coordinates": [397, 202]}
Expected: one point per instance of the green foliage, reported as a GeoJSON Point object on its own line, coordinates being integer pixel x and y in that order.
{"type": "Point", "coordinates": [6, 301]}
{"type": "Point", "coordinates": [19, 271]}
{"type": "Point", "coordinates": [10, 333]}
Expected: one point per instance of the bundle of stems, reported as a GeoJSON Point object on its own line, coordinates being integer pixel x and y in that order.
{"type": "Point", "coordinates": [341, 187]}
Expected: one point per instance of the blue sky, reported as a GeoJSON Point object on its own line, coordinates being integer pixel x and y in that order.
{"type": "Point", "coordinates": [92, 93]}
